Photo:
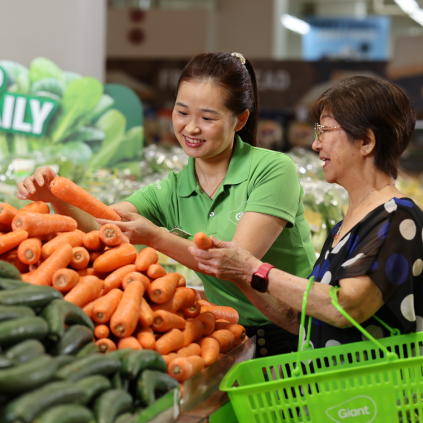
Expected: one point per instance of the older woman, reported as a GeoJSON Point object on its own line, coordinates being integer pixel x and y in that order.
{"type": "Point", "coordinates": [375, 254]}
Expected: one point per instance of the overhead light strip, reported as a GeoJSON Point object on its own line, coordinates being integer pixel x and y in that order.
{"type": "Point", "coordinates": [412, 9]}
{"type": "Point", "coordinates": [295, 24]}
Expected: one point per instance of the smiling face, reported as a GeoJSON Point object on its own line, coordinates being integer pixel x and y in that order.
{"type": "Point", "coordinates": [203, 125]}
{"type": "Point", "coordinates": [341, 157]}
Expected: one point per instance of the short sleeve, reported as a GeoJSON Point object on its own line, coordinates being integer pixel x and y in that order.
{"type": "Point", "coordinates": [152, 201]}
{"type": "Point", "coordinates": [276, 189]}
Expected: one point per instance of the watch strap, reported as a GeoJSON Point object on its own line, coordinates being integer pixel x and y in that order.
{"type": "Point", "coordinates": [264, 270]}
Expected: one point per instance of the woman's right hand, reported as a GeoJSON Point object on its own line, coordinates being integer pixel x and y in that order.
{"type": "Point", "coordinates": [37, 186]}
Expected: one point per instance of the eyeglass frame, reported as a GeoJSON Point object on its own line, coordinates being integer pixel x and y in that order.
{"type": "Point", "coordinates": [318, 130]}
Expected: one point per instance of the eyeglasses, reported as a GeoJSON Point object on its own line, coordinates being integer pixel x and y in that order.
{"type": "Point", "coordinates": [320, 129]}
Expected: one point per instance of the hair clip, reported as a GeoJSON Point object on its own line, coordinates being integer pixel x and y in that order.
{"type": "Point", "coordinates": [240, 57]}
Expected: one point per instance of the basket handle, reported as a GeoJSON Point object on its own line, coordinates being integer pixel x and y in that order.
{"type": "Point", "coordinates": [334, 299]}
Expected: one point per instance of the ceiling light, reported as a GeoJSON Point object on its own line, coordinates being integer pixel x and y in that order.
{"type": "Point", "coordinates": [295, 24]}
{"type": "Point", "coordinates": [412, 8]}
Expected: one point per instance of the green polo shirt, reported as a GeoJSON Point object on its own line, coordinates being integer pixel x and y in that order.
{"type": "Point", "coordinates": [258, 180]}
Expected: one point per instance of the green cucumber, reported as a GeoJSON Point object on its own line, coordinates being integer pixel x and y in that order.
{"type": "Point", "coordinates": [126, 418]}
{"type": "Point", "coordinates": [111, 404]}
{"type": "Point", "coordinates": [6, 284]}
{"type": "Point", "coordinates": [64, 360]}
{"type": "Point", "coordinates": [59, 312]}
{"type": "Point", "coordinates": [68, 413]}
{"type": "Point", "coordinates": [73, 340]}
{"type": "Point", "coordinates": [31, 296]}
{"type": "Point", "coordinates": [14, 312]}
{"type": "Point", "coordinates": [5, 362]}
{"type": "Point", "coordinates": [143, 359]}
{"type": "Point", "coordinates": [91, 365]}
{"type": "Point", "coordinates": [94, 386]}
{"type": "Point", "coordinates": [27, 376]}
{"type": "Point", "coordinates": [9, 271]}
{"type": "Point", "coordinates": [120, 354]}
{"type": "Point", "coordinates": [89, 349]}
{"type": "Point", "coordinates": [152, 381]}
{"type": "Point", "coordinates": [25, 350]}
{"type": "Point", "coordinates": [18, 330]}
{"type": "Point", "coordinates": [119, 382]}
{"type": "Point", "coordinates": [27, 407]}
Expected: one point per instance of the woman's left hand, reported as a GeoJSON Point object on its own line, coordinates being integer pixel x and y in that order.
{"type": "Point", "coordinates": [227, 260]}
{"type": "Point", "coordinates": [137, 228]}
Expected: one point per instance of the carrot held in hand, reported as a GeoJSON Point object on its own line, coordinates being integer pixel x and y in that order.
{"type": "Point", "coordinates": [193, 331]}
{"type": "Point", "coordinates": [105, 345]}
{"type": "Point", "coordinates": [60, 259]}
{"type": "Point", "coordinates": [7, 213]}
{"type": "Point", "coordinates": [125, 318]}
{"type": "Point", "coordinates": [202, 241]}
{"type": "Point", "coordinates": [101, 331]}
{"type": "Point", "coordinates": [146, 258]}
{"type": "Point", "coordinates": [170, 341]}
{"type": "Point", "coordinates": [111, 235]}
{"type": "Point", "coordinates": [164, 321]}
{"type": "Point", "coordinates": [74, 239]}
{"type": "Point", "coordinates": [65, 279]}
{"type": "Point", "coordinates": [114, 280]}
{"type": "Point", "coordinates": [135, 276]}
{"type": "Point", "coordinates": [12, 240]}
{"type": "Point", "coordinates": [129, 343]}
{"type": "Point", "coordinates": [183, 368]}
{"type": "Point", "coordinates": [36, 207]}
{"type": "Point", "coordinates": [192, 311]}
{"type": "Point", "coordinates": [146, 313]}
{"type": "Point", "coordinates": [116, 257]}
{"type": "Point", "coordinates": [92, 241]}
{"type": "Point", "coordinates": [162, 289]}
{"type": "Point", "coordinates": [68, 191]}
{"type": "Point", "coordinates": [145, 336]}
{"type": "Point", "coordinates": [225, 338]}
{"type": "Point", "coordinates": [210, 350]}
{"type": "Point", "coordinates": [209, 322]}
{"type": "Point", "coordinates": [29, 251]}
{"type": "Point", "coordinates": [191, 349]}
{"type": "Point", "coordinates": [87, 289]}
{"type": "Point", "coordinates": [222, 312]}
{"type": "Point", "coordinates": [156, 271]}
{"type": "Point", "coordinates": [80, 258]}
{"type": "Point", "coordinates": [106, 305]}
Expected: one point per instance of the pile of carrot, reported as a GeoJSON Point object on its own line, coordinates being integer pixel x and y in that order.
{"type": "Point", "coordinates": [133, 302]}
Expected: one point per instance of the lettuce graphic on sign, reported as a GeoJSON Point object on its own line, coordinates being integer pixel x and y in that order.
{"type": "Point", "coordinates": [361, 409]}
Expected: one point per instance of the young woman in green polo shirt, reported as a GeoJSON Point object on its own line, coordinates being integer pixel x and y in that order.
{"type": "Point", "coordinates": [230, 189]}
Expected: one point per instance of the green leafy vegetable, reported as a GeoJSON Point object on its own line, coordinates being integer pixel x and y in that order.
{"type": "Point", "coordinates": [130, 147]}
{"type": "Point", "coordinates": [49, 85]}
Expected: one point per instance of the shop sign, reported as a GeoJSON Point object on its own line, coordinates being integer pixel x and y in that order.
{"type": "Point", "coordinates": [24, 114]}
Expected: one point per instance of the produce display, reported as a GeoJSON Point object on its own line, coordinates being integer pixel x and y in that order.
{"type": "Point", "coordinates": [91, 330]}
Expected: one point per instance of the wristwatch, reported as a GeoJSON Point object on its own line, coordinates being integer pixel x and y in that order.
{"type": "Point", "coordinates": [259, 281]}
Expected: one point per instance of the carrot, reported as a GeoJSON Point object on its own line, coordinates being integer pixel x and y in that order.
{"type": "Point", "coordinates": [170, 341]}
{"type": "Point", "coordinates": [114, 280]}
{"type": "Point", "coordinates": [116, 257]}
{"type": "Point", "coordinates": [190, 298]}
{"type": "Point", "coordinates": [205, 303]}
{"type": "Point", "coordinates": [208, 320]}
{"type": "Point", "coordinates": [174, 304]}
{"type": "Point", "coordinates": [146, 313]}
{"type": "Point", "coordinates": [80, 258]}
{"type": "Point", "coordinates": [4, 229]}
{"type": "Point", "coordinates": [68, 191]}
{"type": "Point", "coordinates": [101, 331]}
{"type": "Point", "coordinates": [105, 345]}
{"type": "Point", "coordinates": [129, 343]}
{"type": "Point", "coordinates": [88, 308]}
{"type": "Point", "coordinates": [169, 357]}
{"type": "Point", "coordinates": [105, 306]}
{"type": "Point", "coordinates": [74, 239]}
{"type": "Point", "coordinates": [94, 255]}
{"type": "Point", "coordinates": [12, 240]}
{"type": "Point", "coordinates": [155, 271]}
{"type": "Point", "coordinates": [222, 312]}
{"type": "Point", "coordinates": [42, 224]}
{"type": "Point", "coordinates": [34, 266]}
{"type": "Point", "coordinates": [193, 331]}
{"type": "Point", "coordinates": [162, 289]}
{"type": "Point", "coordinates": [36, 207]}
{"type": "Point", "coordinates": [164, 321]}
{"type": "Point", "coordinates": [182, 281]}
{"type": "Point", "coordinates": [12, 258]}
{"type": "Point", "coordinates": [220, 320]}
{"type": "Point", "coordinates": [135, 276]}
{"type": "Point", "coordinates": [125, 318]}
{"type": "Point", "coordinates": [192, 311]}
{"type": "Point", "coordinates": [202, 241]}
{"type": "Point", "coordinates": [210, 349]}
{"type": "Point", "coordinates": [7, 213]}
{"type": "Point", "coordinates": [90, 271]}
{"type": "Point", "coordinates": [238, 330]}
{"type": "Point", "coordinates": [145, 336]}
{"type": "Point", "coordinates": [197, 295]}
{"type": "Point", "coordinates": [58, 260]}
{"type": "Point", "coordinates": [183, 368]}
{"type": "Point", "coordinates": [111, 235]}
{"type": "Point", "coordinates": [92, 241]}
{"type": "Point", "coordinates": [225, 338]}
{"type": "Point", "coordinates": [65, 279]}
{"type": "Point", "coordinates": [87, 289]}
{"type": "Point", "coordinates": [191, 349]}
{"type": "Point", "coordinates": [146, 258]}
{"type": "Point", "coordinates": [29, 251]}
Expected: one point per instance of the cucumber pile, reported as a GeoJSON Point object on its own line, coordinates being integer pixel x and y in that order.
{"type": "Point", "coordinates": [51, 371]}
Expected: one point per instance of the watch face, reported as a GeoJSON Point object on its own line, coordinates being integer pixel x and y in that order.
{"type": "Point", "coordinates": [258, 283]}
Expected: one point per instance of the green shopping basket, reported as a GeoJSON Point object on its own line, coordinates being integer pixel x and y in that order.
{"type": "Point", "coordinates": [363, 382]}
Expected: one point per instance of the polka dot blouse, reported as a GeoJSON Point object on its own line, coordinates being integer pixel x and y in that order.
{"type": "Point", "coordinates": [387, 246]}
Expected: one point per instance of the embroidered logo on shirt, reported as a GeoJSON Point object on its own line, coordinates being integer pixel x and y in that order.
{"type": "Point", "coordinates": [235, 215]}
